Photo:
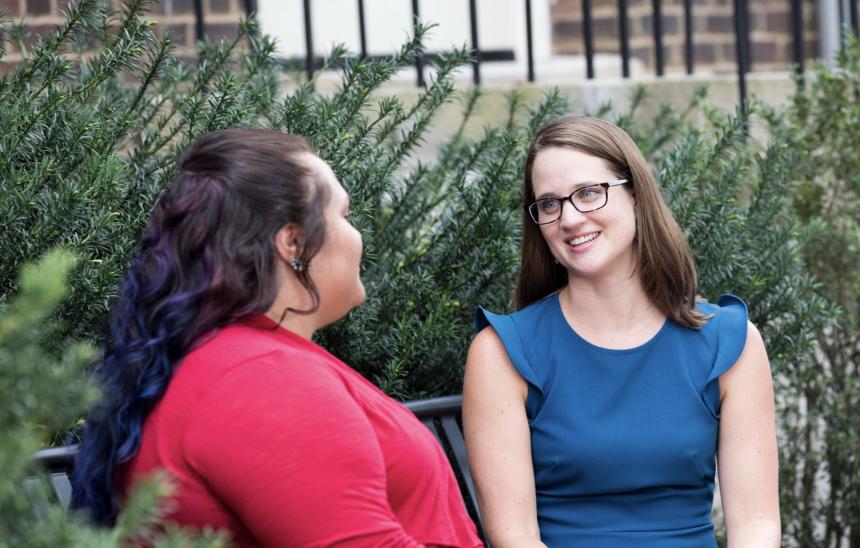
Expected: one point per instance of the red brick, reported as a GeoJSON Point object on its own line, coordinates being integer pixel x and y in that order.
{"type": "Point", "coordinates": [670, 24]}
{"type": "Point", "coordinates": [778, 21]}
{"type": "Point", "coordinates": [567, 30]}
{"type": "Point", "coordinates": [224, 30]}
{"type": "Point", "coordinates": [178, 33]}
{"type": "Point", "coordinates": [182, 6]}
{"type": "Point", "coordinates": [38, 7]}
{"type": "Point", "coordinates": [220, 6]}
{"type": "Point", "coordinates": [704, 53]}
{"type": "Point", "coordinates": [8, 67]}
{"type": "Point", "coordinates": [763, 52]}
{"type": "Point", "coordinates": [719, 23]}
{"type": "Point", "coordinates": [605, 27]}
{"type": "Point", "coordinates": [11, 8]}
{"type": "Point", "coordinates": [35, 32]}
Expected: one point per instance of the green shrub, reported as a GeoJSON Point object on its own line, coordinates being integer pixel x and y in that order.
{"type": "Point", "coordinates": [41, 390]}
{"type": "Point", "coordinates": [820, 481]}
{"type": "Point", "coordinates": [88, 143]}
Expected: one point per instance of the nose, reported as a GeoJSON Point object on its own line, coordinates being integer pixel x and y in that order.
{"type": "Point", "coordinates": [570, 216]}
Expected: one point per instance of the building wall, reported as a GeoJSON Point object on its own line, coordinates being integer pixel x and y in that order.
{"type": "Point", "coordinates": [558, 28]}
{"type": "Point", "coordinates": [771, 40]}
{"type": "Point", "coordinates": [175, 16]}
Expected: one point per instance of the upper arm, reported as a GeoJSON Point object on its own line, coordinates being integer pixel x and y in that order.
{"type": "Point", "coordinates": [498, 441]}
{"type": "Point", "coordinates": [290, 453]}
{"type": "Point", "coordinates": [747, 450]}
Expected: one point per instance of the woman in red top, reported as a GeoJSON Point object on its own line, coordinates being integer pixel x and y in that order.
{"type": "Point", "coordinates": [210, 372]}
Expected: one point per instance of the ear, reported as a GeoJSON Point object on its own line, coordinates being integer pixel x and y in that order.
{"type": "Point", "coordinates": [288, 242]}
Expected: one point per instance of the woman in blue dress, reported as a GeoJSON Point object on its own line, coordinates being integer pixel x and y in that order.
{"type": "Point", "coordinates": [597, 413]}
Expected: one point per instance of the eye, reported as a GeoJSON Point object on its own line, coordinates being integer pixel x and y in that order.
{"type": "Point", "coordinates": [549, 205]}
{"type": "Point", "coordinates": [589, 193]}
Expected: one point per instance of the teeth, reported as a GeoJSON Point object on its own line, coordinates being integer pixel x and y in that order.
{"type": "Point", "coordinates": [583, 239]}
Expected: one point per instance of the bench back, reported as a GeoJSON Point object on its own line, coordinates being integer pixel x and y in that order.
{"type": "Point", "coordinates": [58, 462]}
{"type": "Point", "coordinates": [440, 415]}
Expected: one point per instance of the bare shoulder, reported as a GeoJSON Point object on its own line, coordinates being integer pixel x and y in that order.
{"type": "Point", "coordinates": [487, 344]}
{"type": "Point", "coordinates": [489, 369]}
{"type": "Point", "coordinates": [752, 369]}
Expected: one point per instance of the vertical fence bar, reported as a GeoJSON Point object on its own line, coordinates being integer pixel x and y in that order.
{"type": "Point", "coordinates": [688, 35]}
{"type": "Point", "coordinates": [852, 9]}
{"type": "Point", "coordinates": [797, 33]}
{"type": "Point", "coordinates": [588, 38]}
{"type": "Point", "coordinates": [199, 23]}
{"type": "Point", "coordinates": [473, 24]}
{"type": "Point", "coordinates": [624, 38]}
{"type": "Point", "coordinates": [362, 29]}
{"type": "Point", "coordinates": [657, 16]}
{"type": "Point", "coordinates": [530, 59]}
{"type": "Point", "coordinates": [840, 6]}
{"type": "Point", "coordinates": [250, 7]}
{"type": "Point", "coordinates": [741, 48]}
{"type": "Point", "coordinates": [309, 40]}
{"type": "Point", "coordinates": [419, 59]}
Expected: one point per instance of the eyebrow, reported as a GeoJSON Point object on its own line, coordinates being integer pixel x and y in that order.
{"type": "Point", "coordinates": [577, 187]}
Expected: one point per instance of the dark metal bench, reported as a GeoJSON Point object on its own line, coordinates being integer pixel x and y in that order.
{"type": "Point", "coordinates": [440, 415]}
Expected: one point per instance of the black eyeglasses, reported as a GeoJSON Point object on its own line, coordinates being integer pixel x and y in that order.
{"type": "Point", "coordinates": [583, 199]}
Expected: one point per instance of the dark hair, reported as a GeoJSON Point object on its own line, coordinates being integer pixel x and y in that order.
{"type": "Point", "coordinates": [207, 258]}
{"type": "Point", "coordinates": [663, 257]}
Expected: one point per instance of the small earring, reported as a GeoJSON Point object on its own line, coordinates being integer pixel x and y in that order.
{"type": "Point", "coordinates": [555, 260]}
{"type": "Point", "coordinates": [298, 265]}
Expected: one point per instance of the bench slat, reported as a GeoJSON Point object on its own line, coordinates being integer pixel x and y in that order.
{"type": "Point", "coordinates": [458, 446]}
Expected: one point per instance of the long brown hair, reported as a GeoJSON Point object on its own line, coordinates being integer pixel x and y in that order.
{"type": "Point", "coordinates": [663, 258]}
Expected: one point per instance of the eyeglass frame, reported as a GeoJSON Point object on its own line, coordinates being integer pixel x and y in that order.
{"type": "Point", "coordinates": [569, 198]}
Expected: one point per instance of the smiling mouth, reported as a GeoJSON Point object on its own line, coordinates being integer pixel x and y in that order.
{"type": "Point", "coordinates": [579, 240]}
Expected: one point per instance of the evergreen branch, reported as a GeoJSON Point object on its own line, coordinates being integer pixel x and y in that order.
{"type": "Point", "coordinates": [79, 11]}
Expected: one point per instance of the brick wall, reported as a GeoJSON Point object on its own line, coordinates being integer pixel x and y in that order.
{"type": "Point", "coordinates": [713, 32]}
{"type": "Point", "coordinates": [176, 16]}
{"type": "Point", "coordinates": [713, 29]}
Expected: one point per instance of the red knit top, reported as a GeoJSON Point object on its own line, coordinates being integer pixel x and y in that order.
{"type": "Point", "coordinates": [276, 441]}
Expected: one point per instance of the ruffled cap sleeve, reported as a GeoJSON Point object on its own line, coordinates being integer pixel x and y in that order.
{"type": "Point", "coordinates": [731, 336]}
{"type": "Point", "coordinates": [506, 328]}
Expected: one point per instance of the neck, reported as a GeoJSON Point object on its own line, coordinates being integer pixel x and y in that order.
{"type": "Point", "coordinates": [609, 303]}
{"type": "Point", "coordinates": [301, 324]}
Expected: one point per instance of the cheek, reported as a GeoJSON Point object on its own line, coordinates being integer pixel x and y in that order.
{"type": "Point", "coordinates": [355, 244]}
{"type": "Point", "coordinates": [550, 234]}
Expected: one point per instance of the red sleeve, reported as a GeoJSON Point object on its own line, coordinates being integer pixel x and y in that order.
{"type": "Point", "coordinates": [288, 450]}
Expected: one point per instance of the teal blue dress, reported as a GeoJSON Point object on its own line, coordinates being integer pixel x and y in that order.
{"type": "Point", "coordinates": [623, 441]}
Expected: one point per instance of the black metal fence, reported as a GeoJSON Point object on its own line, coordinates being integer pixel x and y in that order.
{"type": "Point", "coordinates": [741, 31]}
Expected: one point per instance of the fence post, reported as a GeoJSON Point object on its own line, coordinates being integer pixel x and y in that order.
{"type": "Point", "coordinates": [473, 25]}
{"type": "Point", "coordinates": [309, 40]}
{"type": "Point", "coordinates": [530, 60]}
{"type": "Point", "coordinates": [419, 60]}
{"type": "Point", "coordinates": [624, 38]}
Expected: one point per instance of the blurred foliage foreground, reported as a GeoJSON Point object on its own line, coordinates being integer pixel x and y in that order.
{"type": "Point", "coordinates": [88, 142]}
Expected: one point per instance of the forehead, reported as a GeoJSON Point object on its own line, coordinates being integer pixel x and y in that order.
{"type": "Point", "coordinates": [326, 177]}
{"type": "Point", "coordinates": [561, 169]}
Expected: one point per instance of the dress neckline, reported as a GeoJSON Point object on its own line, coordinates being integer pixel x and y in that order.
{"type": "Point", "coordinates": [638, 348]}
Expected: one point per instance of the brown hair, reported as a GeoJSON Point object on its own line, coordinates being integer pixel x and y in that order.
{"type": "Point", "coordinates": [663, 258]}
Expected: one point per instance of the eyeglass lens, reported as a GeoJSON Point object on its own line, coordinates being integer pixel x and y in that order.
{"type": "Point", "coordinates": [584, 200]}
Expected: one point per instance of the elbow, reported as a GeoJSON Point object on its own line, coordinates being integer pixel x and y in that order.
{"type": "Point", "coordinates": [757, 532]}
{"type": "Point", "coordinates": [510, 537]}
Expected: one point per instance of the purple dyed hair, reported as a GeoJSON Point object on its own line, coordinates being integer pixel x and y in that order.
{"type": "Point", "coordinates": [206, 258]}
